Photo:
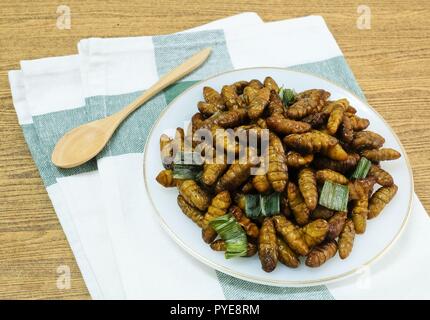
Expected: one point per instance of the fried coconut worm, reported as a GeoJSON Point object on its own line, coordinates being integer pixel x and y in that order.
{"type": "Point", "coordinates": [307, 102]}
{"type": "Point", "coordinates": [195, 215]}
{"type": "Point", "coordinates": [346, 239]}
{"type": "Point", "coordinates": [220, 245]}
{"type": "Point", "coordinates": [297, 204]}
{"type": "Point", "coordinates": [315, 232]}
{"type": "Point", "coordinates": [271, 84]}
{"type": "Point", "coordinates": [292, 234]}
{"type": "Point", "coordinates": [336, 224]}
{"type": "Point", "coordinates": [218, 207]}
{"type": "Point", "coordinates": [267, 246]}
{"type": "Point", "coordinates": [296, 160]}
{"type": "Point", "coordinates": [250, 227]}
{"type": "Point", "coordinates": [380, 199]}
{"type": "Point", "coordinates": [284, 126]}
{"type": "Point", "coordinates": [367, 140]}
{"type": "Point", "coordinates": [327, 174]}
{"type": "Point", "coordinates": [194, 195]}
{"type": "Point", "coordinates": [259, 103]}
{"type": "Point", "coordinates": [320, 254]}
{"type": "Point", "coordinates": [381, 176]}
{"type": "Point", "coordinates": [275, 105]}
{"type": "Point", "coordinates": [165, 178]}
{"type": "Point", "coordinates": [236, 174]}
{"type": "Point", "coordinates": [277, 173]}
{"type": "Point", "coordinates": [310, 142]}
{"type": "Point", "coordinates": [308, 187]}
{"type": "Point", "coordinates": [339, 166]}
{"type": "Point", "coordinates": [335, 119]}
{"type": "Point", "coordinates": [285, 255]}
{"type": "Point", "coordinates": [381, 154]}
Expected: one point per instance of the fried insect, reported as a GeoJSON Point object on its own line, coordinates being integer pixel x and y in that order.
{"type": "Point", "coordinates": [247, 187]}
{"type": "Point", "coordinates": [320, 254]}
{"type": "Point", "coordinates": [339, 166]}
{"type": "Point", "coordinates": [346, 130]}
{"type": "Point", "coordinates": [284, 126]}
{"type": "Point", "coordinates": [235, 175]}
{"type": "Point", "coordinates": [327, 174]}
{"type": "Point", "coordinates": [259, 103]}
{"type": "Point", "coordinates": [336, 153]}
{"type": "Point", "coordinates": [194, 195]}
{"type": "Point", "coordinates": [254, 83]}
{"type": "Point", "coordinates": [307, 102]}
{"type": "Point", "coordinates": [165, 178]}
{"type": "Point", "coordinates": [197, 121]}
{"type": "Point", "coordinates": [359, 214]}
{"type": "Point", "coordinates": [250, 227]}
{"type": "Point", "coordinates": [166, 151]}
{"type": "Point", "coordinates": [275, 104]}
{"type": "Point", "coordinates": [367, 140]}
{"type": "Point", "coordinates": [226, 119]}
{"type": "Point", "coordinates": [381, 176]}
{"type": "Point", "coordinates": [310, 142]}
{"type": "Point", "coordinates": [342, 103]}
{"type": "Point", "coordinates": [230, 97]}
{"type": "Point", "coordinates": [194, 214]}
{"type": "Point", "coordinates": [285, 255]}
{"type": "Point", "coordinates": [297, 205]}
{"type": "Point", "coordinates": [212, 96]}
{"type": "Point", "coordinates": [285, 207]}
{"type": "Point", "coordinates": [292, 234]}
{"type": "Point", "coordinates": [361, 187]}
{"type": "Point", "coordinates": [267, 246]}
{"type": "Point", "coordinates": [315, 232]}
{"type": "Point", "coordinates": [321, 212]}
{"type": "Point", "coordinates": [346, 239]}
{"type": "Point", "coordinates": [212, 171]}
{"type": "Point", "coordinates": [261, 183]}
{"type": "Point", "coordinates": [308, 187]}
{"type": "Point", "coordinates": [316, 120]}
{"type": "Point", "coordinates": [271, 84]}
{"type": "Point", "coordinates": [209, 109]}
{"type": "Point", "coordinates": [218, 207]}
{"type": "Point", "coordinates": [358, 123]}
{"type": "Point", "coordinates": [277, 173]}
{"type": "Point", "coordinates": [296, 160]}
{"type": "Point", "coordinates": [336, 224]}
{"type": "Point", "coordinates": [381, 154]}
{"type": "Point", "coordinates": [249, 93]}
{"type": "Point", "coordinates": [220, 245]}
{"type": "Point", "coordinates": [335, 119]}
{"type": "Point", "coordinates": [239, 86]}
{"type": "Point", "coordinates": [380, 199]}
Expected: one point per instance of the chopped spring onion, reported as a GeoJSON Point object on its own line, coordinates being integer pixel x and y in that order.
{"type": "Point", "coordinates": [186, 171]}
{"type": "Point", "coordinates": [334, 196]}
{"type": "Point", "coordinates": [362, 169]}
{"type": "Point", "coordinates": [288, 96]}
{"type": "Point", "coordinates": [232, 233]}
{"type": "Point", "coordinates": [257, 206]}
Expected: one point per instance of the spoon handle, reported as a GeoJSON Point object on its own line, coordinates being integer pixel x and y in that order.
{"type": "Point", "coordinates": [171, 77]}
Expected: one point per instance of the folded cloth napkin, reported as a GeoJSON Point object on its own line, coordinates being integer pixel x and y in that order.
{"type": "Point", "coordinates": [118, 70]}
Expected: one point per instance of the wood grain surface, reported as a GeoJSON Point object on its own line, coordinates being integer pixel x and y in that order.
{"type": "Point", "coordinates": [391, 62]}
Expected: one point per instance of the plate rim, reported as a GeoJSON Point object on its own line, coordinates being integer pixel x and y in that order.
{"type": "Point", "coordinates": [259, 280]}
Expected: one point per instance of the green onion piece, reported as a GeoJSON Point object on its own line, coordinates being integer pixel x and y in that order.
{"type": "Point", "coordinates": [288, 96]}
{"type": "Point", "coordinates": [270, 204]}
{"type": "Point", "coordinates": [232, 233]}
{"type": "Point", "coordinates": [186, 171]}
{"type": "Point", "coordinates": [252, 206]}
{"type": "Point", "coordinates": [188, 158]}
{"type": "Point", "coordinates": [334, 196]}
{"type": "Point", "coordinates": [362, 169]}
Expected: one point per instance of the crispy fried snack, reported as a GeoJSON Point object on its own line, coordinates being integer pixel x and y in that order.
{"type": "Point", "coordinates": [197, 121]}
{"type": "Point", "coordinates": [316, 120]}
{"type": "Point", "coordinates": [209, 109]}
{"type": "Point", "coordinates": [218, 207]}
{"type": "Point", "coordinates": [165, 178]}
{"type": "Point", "coordinates": [275, 104]}
{"type": "Point", "coordinates": [381, 176]}
{"type": "Point", "coordinates": [308, 187]}
{"type": "Point", "coordinates": [308, 102]}
{"type": "Point", "coordinates": [310, 142]}
{"type": "Point", "coordinates": [227, 119]}
{"type": "Point", "coordinates": [261, 183]}
{"type": "Point", "coordinates": [359, 214]}
{"type": "Point", "coordinates": [285, 207]}
{"type": "Point", "coordinates": [250, 227]}
{"type": "Point", "coordinates": [191, 212]}
{"type": "Point", "coordinates": [358, 123]}
{"type": "Point", "coordinates": [261, 123]}
{"type": "Point", "coordinates": [339, 166]}
{"type": "Point", "coordinates": [267, 246]}
{"type": "Point", "coordinates": [277, 173]}
{"type": "Point", "coordinates": [292, 234]}
{"type": "Point", "coordinates": [346, 131]}
{"type": "Point", "coordinates": [284, 126]}
{"type": "Point", "coordinates": [240, 86]}
{"type": "Point", "coordinates": [254, 83]}
{"type": "Point", "coordinates": [193, 194]}
{"type": "Point", "coordinates": [212, 96]}
{"type": "Point", "coordinates": [336, 224]}
{"type": "Point", "coordinates": [327, 174]}
{"type": "Point", "coordinates": [259, 103]}
{"type": "Point", "coordinates": [220, 245]}
{"type": "Point", "coordinates": [360, 188]}
{"type": "Point", "coordinates": [320, 254]}
{"type": "Point", "coordinates": [335, 119]}
{"type": "Point", "coordinates": [230, 97]}
{"type": "Point", "coordinates": [297, 205]}
{"type": "Point", "coordinates": [178, 142]}
{"type": "Point", "coordinates": [247, 186]}
{"type": "Point", "coordinates": [296, 160]}
{"type": "Point", "coordinates": [285, 255]}
{"type": "Point", "coordinates": [236, 174]}
{"type": "Point", "coordinates": [346, 239]}
{"type": "Point", "coordinates": [380, 199]}
{"type": "Point", "coordinates": [166, 151]}
{"type": "Point", "coordinates": [315, 232]}
{"type": "Point", "coordinates": [381, 154]}
{"type": "Point", "coordinates": [271, 84]}
{"type": "Point", "coordinates": [336, 153]}
{"type": "Point", "coordinates": [321, 212]}
{"type": "Point", "coordinates": [367, 140]}
{"type": "Point", "coordinates": [249, 93]}
{"type": "Point", "coordinates": [212, 171]}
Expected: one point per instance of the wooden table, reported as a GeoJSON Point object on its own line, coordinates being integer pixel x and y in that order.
{"type": "Point", "coordinates": [391, 62]}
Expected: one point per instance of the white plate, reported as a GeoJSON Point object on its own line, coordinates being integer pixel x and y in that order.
{"type": "Point", "coordinates": [380, 234]}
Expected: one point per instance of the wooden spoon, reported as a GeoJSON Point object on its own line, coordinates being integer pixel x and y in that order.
{"type": "Point", "coordinates": [84, 142]}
